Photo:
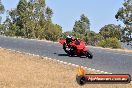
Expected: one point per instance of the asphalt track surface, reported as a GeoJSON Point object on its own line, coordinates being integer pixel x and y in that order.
{"type": "Point", "coordinates": [105, 60]}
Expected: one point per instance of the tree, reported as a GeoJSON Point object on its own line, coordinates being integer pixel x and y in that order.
{"type": "Point", "coordinates": [2, 10]}
{"type": "Point", "coordinates": [1, 29]}
{"type": "Point", "coordinates": [48, 13]}
{"type": "Point", "coordinates": [21, 7]}
{"type": "Point", "coordinates": [124, 14]}
{"type": "Point", "coordinates": [110, 43]}
{"type": "Point", "coordinates": [32, 19]}
{"type": "Point", "coordinates": [111, 31]}
{"type": "Point", "coordinates": [91, 38]}
{"type": "Point", "coordinates": [85, 22]}
{"type": "Point", "coordinates": [9, 28]}
{"type": "Point", "coordinates": [22, 17]}
{"type": "Point", "coordinates": [82, 26]}
{"type": "Point", "coordinates": [54, 32]}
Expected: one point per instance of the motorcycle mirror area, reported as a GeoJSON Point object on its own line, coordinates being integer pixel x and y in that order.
{"type": "Point", "coordinates": [83, 78]}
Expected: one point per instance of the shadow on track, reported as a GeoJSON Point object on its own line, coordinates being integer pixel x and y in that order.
{"type": "Point", "coordinates": [62, 54]}
{"type": "Point", "coordinates": [67, 55]}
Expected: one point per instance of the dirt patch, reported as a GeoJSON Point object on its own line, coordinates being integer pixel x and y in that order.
{"type": "Point", "coordinates": [20, 70]}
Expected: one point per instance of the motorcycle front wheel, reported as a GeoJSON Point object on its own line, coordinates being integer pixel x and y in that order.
{"type": "Point", "coordinates": [89, 54]}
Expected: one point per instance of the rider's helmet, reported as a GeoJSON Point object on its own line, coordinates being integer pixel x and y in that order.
{"type": "Point", "coordinates": [68, 39]}
{"type": "Point", "coordinates": [69, 36]}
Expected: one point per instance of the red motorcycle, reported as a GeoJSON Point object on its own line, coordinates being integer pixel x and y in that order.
{"type": "Point", "coordinates": [75, 47]}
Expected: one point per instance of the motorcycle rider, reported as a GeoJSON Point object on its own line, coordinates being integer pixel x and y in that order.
{"type": "Point", "coordinates": [75, 46]}
{"type": "Point", "coordinates": [69, 39]}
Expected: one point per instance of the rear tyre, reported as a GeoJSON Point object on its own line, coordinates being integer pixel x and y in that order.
{"type": "Point", "coordinates": [89, 54]}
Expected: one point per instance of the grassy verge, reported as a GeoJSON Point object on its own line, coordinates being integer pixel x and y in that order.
{"type": "Point", "coordinates": [20, 70]}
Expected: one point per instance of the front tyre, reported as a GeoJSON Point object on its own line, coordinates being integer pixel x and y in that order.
{"type": "Point", "coordinates": [89, 54]}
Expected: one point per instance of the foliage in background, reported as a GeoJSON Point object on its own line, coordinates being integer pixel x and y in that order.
{"type": "Point", "coordinates": [110, 43]}
{"type": "Point", "coordinates": [124, 14]}
{"type": "Point", "coordinates": [111, 30]}
{"type": "Point", "coordinates": [81, 28]}
{"type": "Point", "coordinates": [2, 10]}
{"type": "Point", "coordinates": [31, 19]}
